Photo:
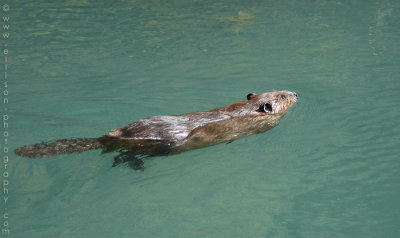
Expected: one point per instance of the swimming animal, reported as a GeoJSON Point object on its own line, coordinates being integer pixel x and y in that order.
{"type": "Point", "coordinates": [165, 135]}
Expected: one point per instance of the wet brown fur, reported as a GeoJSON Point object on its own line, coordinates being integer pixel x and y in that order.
{"type": "Point", "coordinates": [163, 135]}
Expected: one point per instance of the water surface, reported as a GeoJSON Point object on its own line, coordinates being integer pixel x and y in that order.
{"type": "Point", "coordinates": [330, 169]}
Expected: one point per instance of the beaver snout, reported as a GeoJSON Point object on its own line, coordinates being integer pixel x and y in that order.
{"type": "Point", "coordinates": [294, 96]}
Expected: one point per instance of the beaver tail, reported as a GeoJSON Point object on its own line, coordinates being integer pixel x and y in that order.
{"type": "Point", "coordinates": [63, 146]}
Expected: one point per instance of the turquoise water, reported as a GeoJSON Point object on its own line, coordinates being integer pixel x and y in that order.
{"type": "Point", "coordinates": [330, 169]}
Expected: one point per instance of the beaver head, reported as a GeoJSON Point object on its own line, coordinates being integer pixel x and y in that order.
{"type": "Point", "coordinates": [272, 102]}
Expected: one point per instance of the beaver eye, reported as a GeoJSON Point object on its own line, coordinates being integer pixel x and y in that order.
{"type": "Point", "coordinates": [283, 97]}
{"type": "Point", "coordinates": [267, 108]}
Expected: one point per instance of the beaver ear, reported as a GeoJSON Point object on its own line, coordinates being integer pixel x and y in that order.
{"type": "Point", "coordinates": [250, 96]}
{"type": "Point", "coordinates": [267, 108]}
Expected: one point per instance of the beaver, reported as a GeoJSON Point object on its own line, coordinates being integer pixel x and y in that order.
{"type": "Point", "coordinates": [166, 135]}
